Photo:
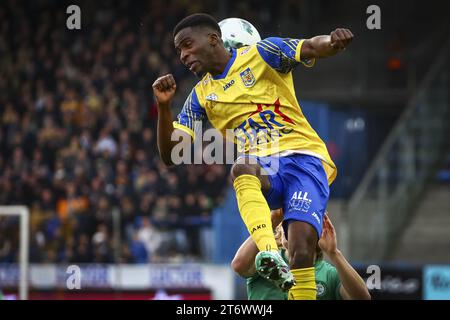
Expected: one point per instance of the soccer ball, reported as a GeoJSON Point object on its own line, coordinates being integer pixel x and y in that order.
{"type": "Point", "coordinates": [237, 32]}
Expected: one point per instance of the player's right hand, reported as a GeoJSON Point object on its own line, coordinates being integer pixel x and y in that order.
{"type": "Point", "coordinates": [340, 38]}
{"type": "Point", "coordinates": [164, 89]}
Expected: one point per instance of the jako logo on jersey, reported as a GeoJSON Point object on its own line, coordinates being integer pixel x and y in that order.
{"type": "Point", "coordinates": [258, 227]}
{"type": "Point", "coordinates": [229, 84]}
{"type": "Point", "coordinates": [248, 78]}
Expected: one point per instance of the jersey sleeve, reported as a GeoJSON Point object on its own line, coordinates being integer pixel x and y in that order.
{"type": "Point", "coordinates": [192, 114]}
{"type": "Point", "coordinates": [283, 54]}
{"type": "Point", "coordinates": [334, 282]}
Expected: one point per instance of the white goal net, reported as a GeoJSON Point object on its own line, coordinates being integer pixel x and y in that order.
{"type": "Point", "coordinates": [23, 213]}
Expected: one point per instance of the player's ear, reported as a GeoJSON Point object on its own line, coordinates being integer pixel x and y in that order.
{"type": "Point", "coordinates": [214, 39]}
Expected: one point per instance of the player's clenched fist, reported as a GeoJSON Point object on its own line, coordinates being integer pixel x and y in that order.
{"type": "Point", "coordinates": [164, 89]}
{"type": "Point", "coordinates": [341, 38]}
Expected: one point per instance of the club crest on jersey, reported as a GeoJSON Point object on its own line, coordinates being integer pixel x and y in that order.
{"type": "Point", "coordinates": [321, 289]}
{"type": "Point", "coordinates": [248, 78]}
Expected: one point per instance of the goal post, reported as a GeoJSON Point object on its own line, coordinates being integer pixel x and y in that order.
{"type": "Point", "coordinates": [23, 213]}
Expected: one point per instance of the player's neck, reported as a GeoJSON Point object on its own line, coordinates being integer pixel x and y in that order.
{"type": "Point", "coordinates": [223, 57]}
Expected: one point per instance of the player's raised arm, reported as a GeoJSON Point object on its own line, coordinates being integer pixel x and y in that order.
{"type": "Point", "coordinates": [169, 131]}
{"type": "Point", "coordinates": [164, 90]}
{"type": "Point", "coordinates": [327, 45]}
{"type": "Point", "coordinates": [353, 286]}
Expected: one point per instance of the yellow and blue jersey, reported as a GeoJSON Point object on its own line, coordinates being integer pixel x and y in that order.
{"type": "Point", "coordinates": [254, 98]}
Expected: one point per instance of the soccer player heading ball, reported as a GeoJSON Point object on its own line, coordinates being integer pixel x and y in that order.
{"type": "Point", "coordinates": [250, 90]}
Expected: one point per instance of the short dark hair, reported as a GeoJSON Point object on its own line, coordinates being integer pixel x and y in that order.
{"type": "Point", "coordinates": [196, 20]}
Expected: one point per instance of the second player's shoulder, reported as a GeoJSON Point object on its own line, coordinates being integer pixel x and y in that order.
{"type": "Point", "coordinates": [324, 266]}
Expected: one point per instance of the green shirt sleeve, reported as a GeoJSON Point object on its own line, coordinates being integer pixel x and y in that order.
{"type": "Point", "coordinates": [334, 282]}
{"type": "Point", "coordinates": [327, 281]}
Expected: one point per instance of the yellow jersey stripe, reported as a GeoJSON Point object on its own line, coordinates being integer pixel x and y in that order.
{"type": "Point", "coordinates": [181, 127]}
{"type": "Point", "coordinates": [310, 62]}
{"type": "Point", "coordinates": [266, 48]}
{"type": "Point", "coordinates": [271, 45]}
{"type": "Point", "coordinates": [290, 45]}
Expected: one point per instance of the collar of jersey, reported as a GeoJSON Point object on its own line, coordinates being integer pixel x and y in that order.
{"type": "Point", "coordinates": [227, 68]}
{"type": "Point", "coordinates": [318, 264]}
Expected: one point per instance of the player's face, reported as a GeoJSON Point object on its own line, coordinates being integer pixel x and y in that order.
{"type": "Point", "coordinates": [194, 49]}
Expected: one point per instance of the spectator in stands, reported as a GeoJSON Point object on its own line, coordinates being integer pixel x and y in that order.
{"type": "Point", "coordinates": [150, 237]}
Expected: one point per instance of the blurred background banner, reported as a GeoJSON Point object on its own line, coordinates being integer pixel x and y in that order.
{"type": "Point", "coordinates": [117, 281]}
{"type": "Point", "coordinates": [396, 282]}
{"type": "Point", "coordinates": [437, 282]}
{"type": "Point", "coordinates": [204, 281]}
{"type": "Point", "coordinates": [78, 145]}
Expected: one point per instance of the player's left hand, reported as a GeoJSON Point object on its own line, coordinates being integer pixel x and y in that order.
{"type": "Point", "coordinates": [340, 38]}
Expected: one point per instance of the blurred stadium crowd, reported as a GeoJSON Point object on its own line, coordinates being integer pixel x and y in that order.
{"type": "Point", "coordinates": [77, 135]}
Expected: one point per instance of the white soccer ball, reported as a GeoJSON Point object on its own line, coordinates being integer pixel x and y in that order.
{"type": "Point", "coordinates": [237, 32]}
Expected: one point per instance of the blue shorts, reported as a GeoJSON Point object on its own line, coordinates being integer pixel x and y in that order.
{"type": "Point", "coordinates": [299, 185]}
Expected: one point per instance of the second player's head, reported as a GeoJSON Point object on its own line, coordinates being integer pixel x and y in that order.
{"type": "Point", "coordinates": [197, 39]}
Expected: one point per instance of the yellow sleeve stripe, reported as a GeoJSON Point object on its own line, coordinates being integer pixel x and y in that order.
{"type": "Point", "coordinates": [266, 47]}
{"type": "Point", "coordinates": [298, 50]}
{"type": "Point", "coordinates": [189, 131]}
{"type": "Point", "coordinates": [307, 63]}
{"type": "Point", "coordinates": [290, 45]}
{"type": "Point", "coordinates": [271, 45]}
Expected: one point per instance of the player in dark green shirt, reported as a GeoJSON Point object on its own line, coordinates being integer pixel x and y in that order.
{"type": "Point", "coordinates": [336, 282]}
{"type": "Point", "coordinates": [327, 283]}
